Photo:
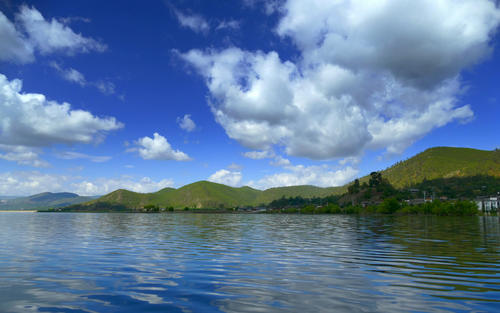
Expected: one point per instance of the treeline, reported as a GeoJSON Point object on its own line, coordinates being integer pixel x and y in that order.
{"type": "Point", "coordinates": [461, 187]}
{"type": "Point", "coordinates": [378, 196]}
{"type": "Point", "coordinates": [391, 206]}
{"type": "Point", "coordinates": [298, 202]}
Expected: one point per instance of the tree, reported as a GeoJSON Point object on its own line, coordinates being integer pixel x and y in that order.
{"type": "Point", "coordinates": [375, 179]}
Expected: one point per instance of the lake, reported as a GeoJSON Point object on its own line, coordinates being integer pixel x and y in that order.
{"type": "Point", "coordinates": [65, 262]}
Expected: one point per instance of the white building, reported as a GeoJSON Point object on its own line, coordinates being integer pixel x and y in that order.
{"type": "Point", "coordinates": [488, 204]}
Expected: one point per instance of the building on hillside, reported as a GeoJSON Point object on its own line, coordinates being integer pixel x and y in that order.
{"type": "Point", "coordinates": [488, 204]}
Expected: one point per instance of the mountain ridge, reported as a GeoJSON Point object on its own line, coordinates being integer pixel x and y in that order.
{"type": "Point", "coordinates": [433, 163]}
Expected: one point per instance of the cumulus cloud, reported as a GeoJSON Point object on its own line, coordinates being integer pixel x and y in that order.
{"type": "Point", "coordinates": [158, 148]}
{"type": "Point", "coordinates": [33, 182]}
{"type": "Point", "coordinates": [322, 176]}
{"type": "Point", "coordinates": [259, 155]}
{"type": "Point", "coordinates": [53, 36]}
{"type": "Point", "coordinates": [72, 155]}
{"type": "Point", "coordinates": [194, 22]}
{"type": "Point", "coordinates": [230, 178]}
{"type": "Point", "coordinates": [370, 75]}
{"type": "Point", "coordinates": [30, 120]}
{"type": "Point", "coordinates": [186, 123]}
{"type": "Point", "coordinates": [15, 46]}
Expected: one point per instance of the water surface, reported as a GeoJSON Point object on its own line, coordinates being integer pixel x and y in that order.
{"type": "Point", "coordinates": [83, 262]}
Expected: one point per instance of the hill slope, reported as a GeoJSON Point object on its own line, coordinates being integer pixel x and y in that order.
{"type": "Point", "coordinates": [443, 162]}
{"type": "Point", "coordinates": [43, 201]}
{"type": "Point", "coordinates": [204, 194]}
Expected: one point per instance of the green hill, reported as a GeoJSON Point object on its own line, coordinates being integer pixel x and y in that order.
{"type": "Point", "coordinates": [204, 194]}
{"type": "Point", "coordinates": [43, 201]}
{"type": "Point", "coordinates": [443, 162]}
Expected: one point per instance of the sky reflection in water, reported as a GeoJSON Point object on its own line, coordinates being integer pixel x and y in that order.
{"type": "Point", "coordinates": [247, 263]}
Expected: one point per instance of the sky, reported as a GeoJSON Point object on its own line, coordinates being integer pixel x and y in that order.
{"type": "Point", "coordinates": [101, 95]}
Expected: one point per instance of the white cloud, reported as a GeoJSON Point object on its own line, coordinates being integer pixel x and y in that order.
{"type": "Point", "coordinates": [234, 166]}
{"type": "Point", "coordinates": [194, 22]}
{"type": "Point", "coordinates": [29, 183]}
{"type": "Point", "coordinates": [15, 46]}
{"type": "Point", "coordinates": [322, 176]}
{"type": "Point", "coordinates": [29, 119]}
{"type": "Point", "coordinates": [33, 182]}
{"type": "Point", "coordinates": [371, 75]}
{"type": "Point", "coordinates": [158, 148]}
{"type": "Point", "coordinates": [74, 76]}
{"type": "Point", "coordinates": [280, 161]}
{"type": "Point", "coordinates": [269, 6]}
{"type": "Point", "coordinates": [71, 155]}
{"type": "Point", "coordinates": [53, 36]}
{"type": "Point", "coordinates": [230, 178]}
{"type": "Point", "coordinates": [70, 74]}
{"type": "Point", "coordinates": [228, 24]}
{"type": "Point", "coordinates": [22, 155]}
{"type": "Point", "coordinates": [259, 155]}
{"type": "Point", "coordinates": [186, 123]}
{"type": "Point", "coordinates": [102, 186]}
{"type": "Point", "coordinates": [350, 160]}
{"type": "Point", "coordinates": [106, 87]}
{"type": "Point", "coordinates": [72, 19]}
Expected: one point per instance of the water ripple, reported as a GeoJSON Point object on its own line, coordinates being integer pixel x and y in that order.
{"type": "Point", "coordinates": [247, 263]}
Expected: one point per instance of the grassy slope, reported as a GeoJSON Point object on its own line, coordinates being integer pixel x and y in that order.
{"type": "Point", "coordinates": [443, 162]}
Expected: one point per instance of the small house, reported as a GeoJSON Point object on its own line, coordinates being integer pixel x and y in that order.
{"type": "Point", "coordinates": [488, 204]}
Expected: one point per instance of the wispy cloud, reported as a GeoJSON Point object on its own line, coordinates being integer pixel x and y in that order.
{"type": "Point", "coordinates": [71, 155]}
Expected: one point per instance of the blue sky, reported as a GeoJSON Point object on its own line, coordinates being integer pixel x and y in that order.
{"type": "Point", "coordinates": [96, 96]}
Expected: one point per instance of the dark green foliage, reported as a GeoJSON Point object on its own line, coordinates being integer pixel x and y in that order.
{"type": "Point", "coordinates": [375, 179]}
{"type": "Point", "coordinates": [389, 206]}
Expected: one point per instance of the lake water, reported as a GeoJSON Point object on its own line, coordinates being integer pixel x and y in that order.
{"type": "Point", "coordinates": [82, 262]}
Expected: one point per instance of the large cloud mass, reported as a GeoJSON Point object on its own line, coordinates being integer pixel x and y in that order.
{"type": "Point", "coordinates": [378, 74]}
{"type": "Point", "coordinates": [29, 119]}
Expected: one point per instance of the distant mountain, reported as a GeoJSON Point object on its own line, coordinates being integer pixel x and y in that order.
{"type": "Point", "coordinates": [44, 200]}
{"type": "Point", "coordinates": [443, 162]}
{"type": "Point", "coordinates": [204, 194]}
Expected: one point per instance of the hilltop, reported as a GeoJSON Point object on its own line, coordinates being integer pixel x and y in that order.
{"type": "Point", "coordinates": [442, 162]}
{"type": "Point", "coordinates": [42, 201]}
{"type": "Point", "coordinates": [431, 165]}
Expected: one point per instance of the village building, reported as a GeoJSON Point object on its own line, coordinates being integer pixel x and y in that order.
{"type": "Point", "coordinates": [488, 204]}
